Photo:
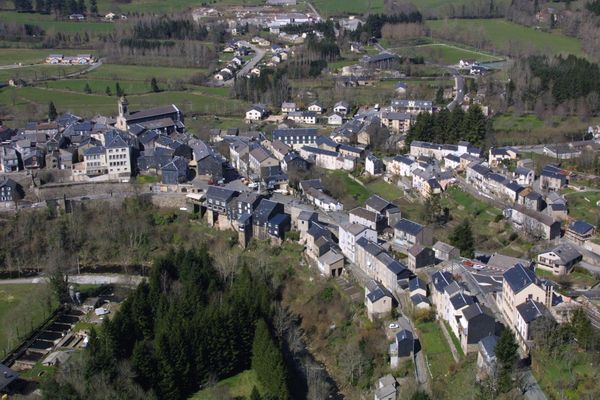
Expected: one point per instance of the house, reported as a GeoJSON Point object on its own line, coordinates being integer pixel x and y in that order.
{"type": "Point", "coordinates": [408, 233]}
{"type": "Point", "coordinates": [331, 264]}
{"type": "Point", "coordinates": [256, 112]}
{"type": "Point", "coordinates": [385, 208]}
{"type": "Point", "coordinates": [269, 221]}
{"type": "Point", "coordinates": [401, 166]}
{"type": "Point", "coordinates": [370, 219]}
{"type": "Point", "coordinates": [10, 191]}
{"type": "Point", "coordinates": [76, 17]}
{"type": "Point", "coordinates": [419, 257]}
{"type": "Point", "coordinates": [175, 172]}
{"type": "Point", "coordinates": [524, 176]}
{"type": "Point", "coordinates": [292, 163]}
{"type": "Point", "coordinates": [326, 159]}
{"type": "Point", "coordinates": [497, 155]}
{"type": "Point", "coordinates": [319, 240]}
{"type": "Point", "coordinates": [560, 260]}
{"type": "Point", "coordinates": [296, 138]}
{"type": "Point", "coordinates": [279, 149]}
{"type": "Point", "coordinates": [322, 200]}
{"type": "Point", "coordinates": [246, 203]}
{"type": "Point", "coordinates": [7, 376]}
{"type": "Point", "coordinates": [451, 161]}
{"type": "Point", "coordinates": [335, 119]}
{"type": "Point", "coordinates": [402, 348]}
{"type": "Point", "coordinates": [533, 223]}
{"type": "Point", "coordinates": [305, 220]}
{"type": "Point", "coordinates": [552, 178]}
{"type": "Point", "coordinates": [373, 165]}
{"type": "Point", "coordinates": [383, 60]}
{"type": "Point", "coordinates": [476, 323]}
{"type": "Point", "coordinates": [118, 156]}
{"type": "Point", "coordinates": [417, 286]}
{"type": "Point", "coordinates": [260, 159]}
{"type": "Point", "coordinates": [420, 302]}
{"type": "Point", "coordinates": [9, 159]}
{"type": "Point", "coordinates": [397, 122]}
{"type": "Point", "coordinates": [379, 265]}
{"type": "Point", "coordinates": [401, 88]}
{"type": "Point", "coordinates": [341, 107]}
{"type": "Point", "coordinates": [378, 300]}
{"type": "Point", "coordinates": [445, 252]}
{"type": "Point", "coordinates": [440, 280]}
{"type": "Point", "coordinates": [486, 357]}
{"type": "Point", "coordinates": [466, 63]}
{"type": "Point", "coordinates": [348, 235]}
{"type": "Point", "coordinates": [521, 285]}
{"type": "Point", "coordinates": [411, 106]}
{"type": "Point", "coordinates": [316, 107]}
{"type": "Point", "coordinates": [386, 388]}
{"type": "Point", "coordinates": [288, 107]}
{"type": "Point", "coordinates": [221, 200]}
{"type": "Point", "coordinates": [579, 232]}
{"type": "Point", "coordinates": [303, 117]}
{"type": "Point", "coordinates": [502, 263]}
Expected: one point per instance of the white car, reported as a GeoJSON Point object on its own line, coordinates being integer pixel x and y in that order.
{"type": "Point", "coordinates": [253, 185]}
{"type": "Point", "coordinates": [394, 326]}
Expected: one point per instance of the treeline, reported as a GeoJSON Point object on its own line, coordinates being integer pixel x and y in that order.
{"type": "Point", "coordinates": [58, 7]}
{"type": "Point", "coordinates": [375, 22]}
{"type": "Point", "coordinates": [19, 32]}
{"type": "Point", "coordinates": [450, 126]}
{"type": "Point", "coordinates": [167, 27]}
{"type": "Point", "coordinates": [271, 87]}
{"type": "Point", "coordinates": [182, 330]}
{"type": "Point", "coordinates": [567, 86]}
{"type": "Point", "coordinates": [327, 28]}
{"type": "Point", "coordinates": [312, 58]}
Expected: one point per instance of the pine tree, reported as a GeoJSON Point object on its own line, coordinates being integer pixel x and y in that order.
{"type": "Point", "coordinates": [144, 364]}
{"type": "Point", "coordinates": [87, 89]}
{"type": "Point", "coordinates": [94, 7]}
{"type": "Point", "coordinates": [118, 90]}
{"type": "Point", "coordinates": [81, 6]}
{"type": "Point", "coordinates": [582, 328]}
{"type": "Point", "coordinates": [506, 354]}
{"type": "Point", "coordinates": [439, 95]}
{"type": "Point", "coordinates": [154, 85]}
{"type": "Point", "coordinates": [52, 114]}
{"type": "Point", "coordinates": [462, 238]}
{"type": "Point", "coordinates": [108, 92]}
{"type": "Point", "coordinates": [267, 362]}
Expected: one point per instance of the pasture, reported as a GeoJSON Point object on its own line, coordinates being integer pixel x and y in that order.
{"type": "Point", "coordinates": [443, 53]}
{"type": "Point", "coordinates": [504, 35]}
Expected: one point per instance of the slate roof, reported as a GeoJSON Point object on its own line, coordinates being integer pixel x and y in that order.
{"type": "Point", "coordinates": [354, 229]}
{"type": "Point", "coordinates": [219, 193]}
{"type": "Point", "coordinates": [96, 150]}
{"type": "Point", "coordinates": [378, 203]}
{"type": "Point", "coordinates": [7, 376]}
{"type": "Point", "coordinates": [369, 247]}
{"type": "Point", "coordinates": [581, 227]}
{"type": "Point", "coordinates": [419, 299]}
{"type": "Point", "coordinates": [363, 213]}
{"type": "Point", "coordinates": [459, 301]}
{"type": "Point", "coordinates": [488, 345]}
{"type": "Point", "coordinates": [441, 279]}
{"type": "Point", "coordinates": [326, 140]}
{"type": "Point", "coordinates": [443, 247]}
{"type": "Point", "coordinates": [153, 112]}
{"type": "Point", "coordinates": [404, 334]}
{"type": "Point", "coordinates": [377, 292]}
{"type": "Point", "coordinates": [475, 310]}
{"type": "Point", "coordinates": [262, 212]}
{"type": "Point", "coordinates": [519, 277]}
{"type": "Point", "coordinates": [566, 253]}
{"type": "Point", "coordinates": [531, 310]}
{"type": "Point", "coordinates": [417, 283]}
{"type": "Point", "coordinates": [410, 227]}
{"type": "Point", "coordinates": [280, 134]}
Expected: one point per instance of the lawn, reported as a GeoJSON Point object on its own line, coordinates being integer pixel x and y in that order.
{"type": "Point", "coordinates": [578, 278]}
{"type": "Point", "coordinates": [142, 72]}
{"type": "Point", "coordinates": [455, 340]}
{"type": "Point", "coordinates": [520, 123]}
{"type": "Point", "coordinates": [238, 386]}
{"type": "Point", "coordinates": [384, 189]}
{"type": "Point", "coordinates": [22, 308]}
{"type": "Point", "coordinates": [503, 34]}
{"type": "Point", "coordinates": [436, 349]}
{"type": "Point", "coordinates": [582, 205]}
{"type": "Point", "coordinates": [99, 86]}
{"type": "Point", "coordinates": [146, 179]}
{"type": "Point", "coordinates": [33, 56]}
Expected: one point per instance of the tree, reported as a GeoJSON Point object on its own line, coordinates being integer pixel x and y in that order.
{"type": "Point", "coordinates": [582, 328]}
{"type": "Point", "coordinates": [87, 89]}
{"type": "Point", "coordinates": [118, 90]}
{"type": "Point", "coordinates": [439, 95]}
{"type": "Point", "coordinates": [40, 6]}
{"type": "Point", "coordinates": [52, 114]}
{"type": "Point", "coordinates": [267, 362]}
{"type": "Point", "coordinates": [255, 395]}
{"type": "Point", "coordinates": [108, 92]}
{"type": "Point", "coordinates": [506, 354]}
{"type": "Point", "coordinates": [94, 7]}
{"type": "Point", "coordinates": [81, 6]}
{"type": "Point", "coordinates": [23, 5]}
{"type": "Point", "coordinates": [154, 85]}
{"type": "Point", "coordinates": [432, 209]}
{"type": "Point", "coordinates": [462, 238]}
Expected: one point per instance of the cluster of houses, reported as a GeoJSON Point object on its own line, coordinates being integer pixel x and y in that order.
{"type": "Point", "coordinates": [61, 59]}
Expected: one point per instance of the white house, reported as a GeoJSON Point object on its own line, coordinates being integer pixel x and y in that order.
{"type": "Point", "coordinates": [341, 107]}
{"type": "Point", "coordinates": [349, 234]}
{"type": "Point", "coordinates": [335, 119]}
{"type": "Point", "coordinates": [316, 107]}
{"type": "Point", "coordinates": [256, 113]}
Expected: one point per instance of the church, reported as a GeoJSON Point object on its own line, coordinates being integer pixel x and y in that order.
{"type": "Point", "coordinates": [164, 119]}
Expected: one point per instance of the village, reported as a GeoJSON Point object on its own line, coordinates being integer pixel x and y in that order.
{"type": "Point", "coordinates": [456, 231]}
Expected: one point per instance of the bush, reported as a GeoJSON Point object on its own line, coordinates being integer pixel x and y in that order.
{"type": "Point", "coordinates": [293, 235]}
{"type": "Point", "coordinates": [326, 294]}
{"type": "Point", "coordinates": [498, 218]}
{"type": "Point", "coordinates": [424, 315]}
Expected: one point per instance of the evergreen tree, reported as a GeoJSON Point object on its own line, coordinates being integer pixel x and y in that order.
{"type": "Point", "coordinates": [71, 6]}
{"type": "Point", "coordinates": [462, 238]}
{"type": "Point", "coordinates": [118, 90]}
{"type": "Point", "coordinates": [94, 7]}
{"type": "Point", "coordinates": [267, 362]}
{"type": "Point", "coordinates": [506, 354]}
{"type": "Point", "coordinates": [81, 9]}
{"type": "Point", "coordinates": [87, 89]}
{"type": "Point", "coordinates": [40, 6]}
{"type": "Point", "coordinates": [154, 85]}
{"type": "Point", "coordinates": [108, 92]}
{"type": "Point", "coordinates": [144, 364]}
{"type": "Point", "coordinates": [582, 328]}
{"type": "Point", "coordinates": [52, 114]}
{"type": "Point", "coordinates": [439, 95]}
{"type": "Point", "coordinates": [23, 5]}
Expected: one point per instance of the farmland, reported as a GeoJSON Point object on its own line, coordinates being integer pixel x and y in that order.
{"type": "Point", "coordinates": [504, 35]}
{"type": "Point", "coordinates": [444, 53]}
{"type": "Point", "coordinates": [51, 25]}
{"type": "Point", "coordinates": [26, 56]}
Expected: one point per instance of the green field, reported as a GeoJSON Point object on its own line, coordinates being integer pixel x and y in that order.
{"type": "Point", "coordinates": [582, 205]}
{"type": "Point", "coordinates": [22, 308]}
{"type": "Point", "coordinates": [503, 34]}
{"type": "Point", "coordinates": [436, 348]}
{"type": "Point", "coordinates": [342, 7]}
{"type": "Point", "coordinates": [33, 56]}
{"type": "Point", "coordinates": [443, 53]}
{"type": "Point", "coordinates": [51, 25]}
{"type": "Point", "coordinates": [571, 379]}
{"type": "Point", "coordinates": [238, 386]}
{"type": "Point", "coordinates": [39, 72]}
{"type": "Point", "coordinates": [142, 72]}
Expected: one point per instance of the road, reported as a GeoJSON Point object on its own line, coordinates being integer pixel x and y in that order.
{"type": "Point", "coordinates": [258, 55]}
{"type": "Point", "coordinates": [459, 86]}
{"type": "Point", "coordinates": [83, 279]}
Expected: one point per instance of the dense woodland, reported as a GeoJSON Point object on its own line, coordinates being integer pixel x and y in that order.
{"type": "Point", "coordinates": [549, 86]}
{"type": "Point", "coordinates": [181, 331]}
{"type": "Point", "coordinates": [271, 87]}
{"type": "Point", "coordinates": [450, 126]}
